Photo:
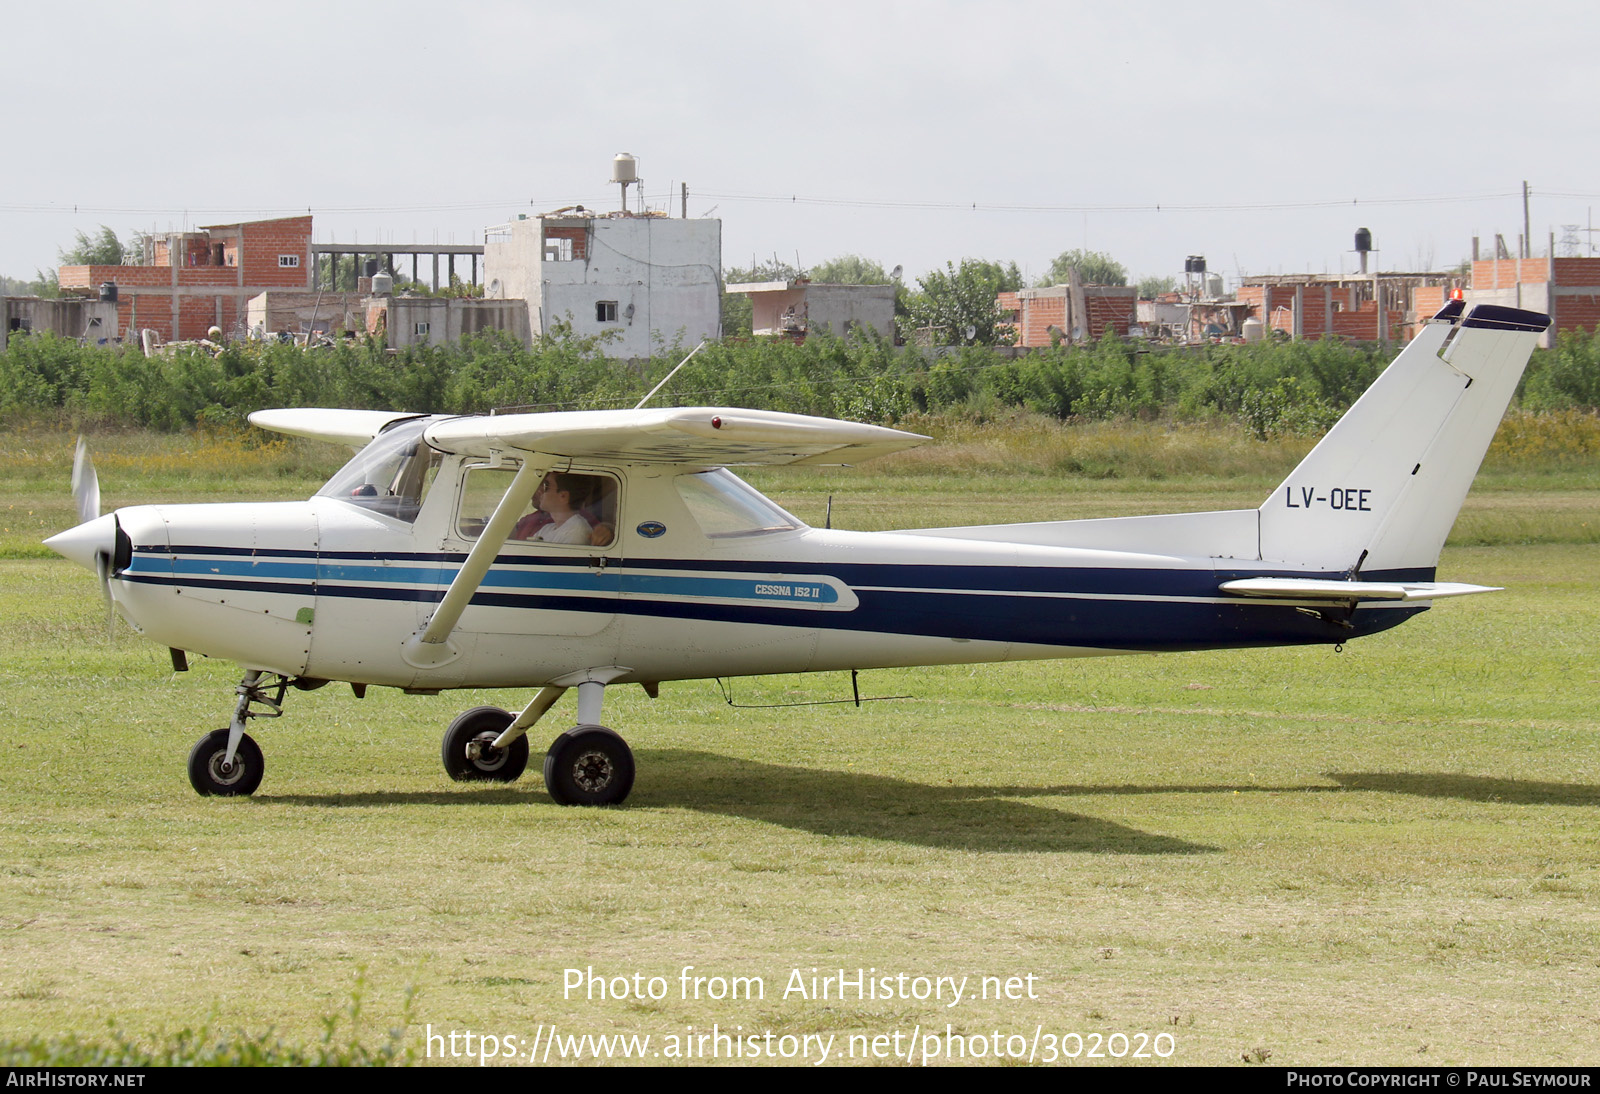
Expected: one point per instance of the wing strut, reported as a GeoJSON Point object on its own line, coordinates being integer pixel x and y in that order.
{"type": "Point", "coordinates": [429, 647]}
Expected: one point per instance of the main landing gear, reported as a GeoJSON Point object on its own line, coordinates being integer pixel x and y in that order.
{"type": "Point", "coordinates": [587, 765]}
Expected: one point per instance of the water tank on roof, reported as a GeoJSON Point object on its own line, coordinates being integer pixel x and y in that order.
{"type": "Point", "coordinates": [624, 168]}
{"type": "Point", "coordinates": [108, 292]}
{"type": "Point", "coordinates": [1363, 240]}
{"type": "Point", "coordinates": [382, 284]}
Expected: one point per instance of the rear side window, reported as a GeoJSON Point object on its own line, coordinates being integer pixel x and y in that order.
{"type": "Point", "coordinates": [724, 505]}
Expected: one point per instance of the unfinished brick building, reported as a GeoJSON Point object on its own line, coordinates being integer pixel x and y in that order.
{"type": "Point", "coordinates": [1566, 289]}
{"type": "Point", "coordinates": [1043, 317]}
{"type": "Point", "coordinates": [192, 281]}
{"type": "Point", "coordinates": [1309, 306]}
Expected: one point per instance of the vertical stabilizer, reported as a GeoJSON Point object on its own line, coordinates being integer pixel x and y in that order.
{"type": "Point", "coordinates": [1381, 491]}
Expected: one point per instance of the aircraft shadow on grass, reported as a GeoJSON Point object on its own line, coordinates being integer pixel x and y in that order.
{"type": "Point", "coordinates": [841, 803]}
{"type": "Point", "coordinates": [1475, 788]}
{"type": "Point", "coordinates": [953, 817]}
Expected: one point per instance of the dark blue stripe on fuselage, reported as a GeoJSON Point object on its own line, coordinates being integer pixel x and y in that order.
{"type": "Point", "coordinates": [980, 603]}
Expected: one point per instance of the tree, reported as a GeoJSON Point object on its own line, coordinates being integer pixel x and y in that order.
{"type": "Point", "coordinates": [44, 284]}
{"type": "Point", "coordinates": [1154, 285]}
{"type": "Point", "coordinates": [102, 249]}
{"type": "Point", "coordinates": [958, 303]}
{"type": "Point", "coordinates": [1094, 268]}
{"type": "Point", "coordinates": [849, 270]}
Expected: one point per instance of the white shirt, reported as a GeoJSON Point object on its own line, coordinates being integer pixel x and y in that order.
{"type": "Point", "coordinates": [575, 529]}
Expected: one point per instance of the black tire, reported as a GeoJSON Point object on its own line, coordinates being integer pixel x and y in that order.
{"type": "Point", "coordinates": [209, 777]}
{"type": "Point", "coordinates": [483, 725]}
{"type": "Point", "coordinates": [589, 765]}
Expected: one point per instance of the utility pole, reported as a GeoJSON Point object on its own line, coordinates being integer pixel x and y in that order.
{"type": "Point", "coordinates": [1527, 236]}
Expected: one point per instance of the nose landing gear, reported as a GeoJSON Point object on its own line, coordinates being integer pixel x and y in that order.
{"type": "Point", "coordinates": [227, 762]}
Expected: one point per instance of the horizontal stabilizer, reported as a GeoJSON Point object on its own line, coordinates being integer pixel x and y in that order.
{"type": "Point", "coordinates": [1305, 588]}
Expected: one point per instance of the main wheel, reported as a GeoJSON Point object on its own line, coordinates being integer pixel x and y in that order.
{"type": "Point", "coordinates": [467, 754]}
{"type": "Point", "coordinates": [589, 765]}
{"type": "Point", "coordinates": [208, 774]}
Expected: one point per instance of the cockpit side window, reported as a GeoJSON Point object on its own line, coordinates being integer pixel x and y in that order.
{"type": "Point", "coordinates": [390, 476]}
{"type": "Point", "coordinates": [571, 508]}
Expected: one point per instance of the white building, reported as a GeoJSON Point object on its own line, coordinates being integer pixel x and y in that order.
{"type": "Point", "coordinates": [647, 280]}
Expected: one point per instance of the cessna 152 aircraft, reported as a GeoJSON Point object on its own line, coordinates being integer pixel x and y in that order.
{"type": "Point", "coordinates": [581, 550]}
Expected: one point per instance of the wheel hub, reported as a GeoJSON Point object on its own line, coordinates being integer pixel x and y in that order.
{"type": "Point", "coordinates": [222, 771]}
{"type": "Point", "coordinates": [484, 755]}
{"type": "Point", "coordinates": [592, 771]}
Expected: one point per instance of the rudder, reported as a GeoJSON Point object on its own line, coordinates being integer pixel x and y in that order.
{"type": "Point", "coordinates": [1379, 493]}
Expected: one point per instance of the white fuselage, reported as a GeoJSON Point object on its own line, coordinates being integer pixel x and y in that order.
{"type": "Point", "coordinates": [332, 589]}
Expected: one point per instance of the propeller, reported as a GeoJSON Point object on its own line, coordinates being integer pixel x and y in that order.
{"type": "Point", "coordinates": [86, 496]}
{"type": "Point", "coordinates": [85, 484]}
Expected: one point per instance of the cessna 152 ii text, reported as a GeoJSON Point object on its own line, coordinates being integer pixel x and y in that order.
{"type": "Point", "coordinates": [581, 550]}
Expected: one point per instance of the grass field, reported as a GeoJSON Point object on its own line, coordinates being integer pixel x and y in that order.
{"type": "Point", "coordinates": [1388, 854]}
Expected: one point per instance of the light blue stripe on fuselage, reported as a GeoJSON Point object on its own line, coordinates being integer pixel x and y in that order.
{"type": "Point", "coordinates": [765, 590]}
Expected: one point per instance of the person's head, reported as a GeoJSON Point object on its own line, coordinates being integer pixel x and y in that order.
{"type": "Point", "coordinates": [561, 492]}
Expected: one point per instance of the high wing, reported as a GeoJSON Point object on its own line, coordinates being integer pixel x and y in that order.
{"type": "Point", "coordinates": [681, 436]}
{"type": "Point", "coordinates": [352, 427]}
{"type": "Point", "coordinates": [691, 436]}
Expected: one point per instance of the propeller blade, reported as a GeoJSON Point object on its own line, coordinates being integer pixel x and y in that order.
{"type": "Point", "coordinates": [85, 485]}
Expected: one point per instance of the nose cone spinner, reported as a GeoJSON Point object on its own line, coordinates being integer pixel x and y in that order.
{"type": "Point", "coordinates": [83, 543]}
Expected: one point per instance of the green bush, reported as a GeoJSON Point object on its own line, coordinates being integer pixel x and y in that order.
{"type": "Point", "coordinates": [206, 1046]}
{"type": "Point", "coordinates": [1272, 388]}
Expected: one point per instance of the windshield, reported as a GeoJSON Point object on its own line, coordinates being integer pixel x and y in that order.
{"type": "Point", "coordinates": [391, 475]}
{"type": "Point", "coordinates": [723, 504]}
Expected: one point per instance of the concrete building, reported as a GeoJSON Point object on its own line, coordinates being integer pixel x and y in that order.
{"type": "Point", "coordinates": [437, 320]}
{"type": "Point", "coordinates": [401, 320]}
{"type": "Point", "coordinates": [1173, 317]}
{"type": "Point", "coordinates": [192, 281]}
{"type": "Point", "coordinates": [644, 280]}
{"type": "Point", "coordinates": [88, 319]}
{"type": "Point", "coordinates": [794, 309]}
{"type": "Point", "coordinates": [1069, 313]}
{"type": "Point", "coordinates": [299, 313]}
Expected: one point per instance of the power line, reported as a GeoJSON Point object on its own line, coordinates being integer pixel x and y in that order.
{"type": "Point", "coordinates": [801, 199]}
{"type": "Point", "coordinates": [1117, 207]}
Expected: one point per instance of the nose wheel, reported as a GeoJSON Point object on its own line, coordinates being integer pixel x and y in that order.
{"type": "Point", "coordinates": [211, 773]}
{"type": "Point", "coordinates": [227, 763]}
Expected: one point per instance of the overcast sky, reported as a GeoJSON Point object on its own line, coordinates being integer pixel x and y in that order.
{"type": "Point", "coordinates": [1261, 135]}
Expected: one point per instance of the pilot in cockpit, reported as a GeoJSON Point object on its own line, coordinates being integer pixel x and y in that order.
{"type": "Point", "coordinates": [563, 497]}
